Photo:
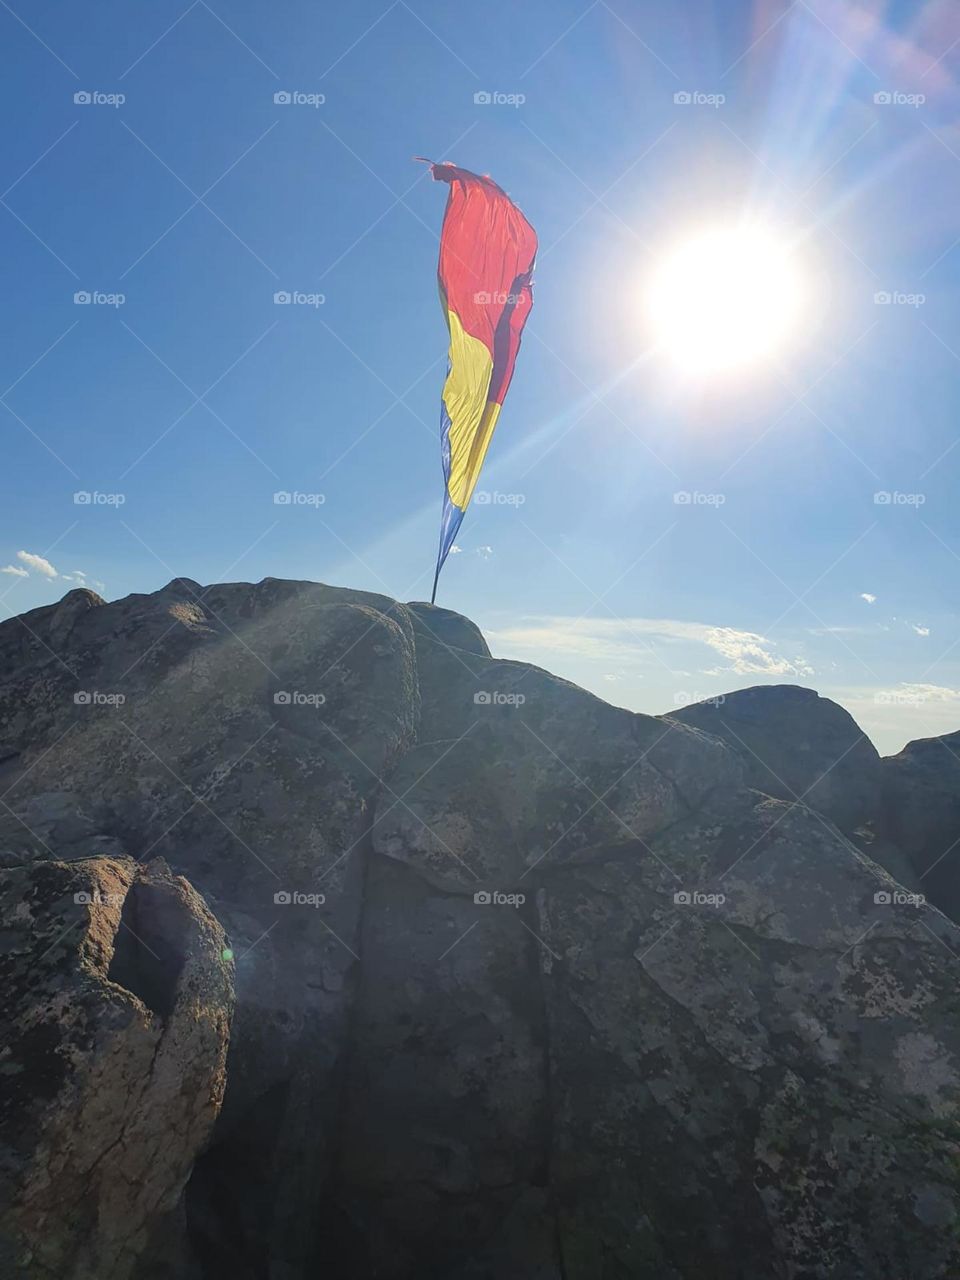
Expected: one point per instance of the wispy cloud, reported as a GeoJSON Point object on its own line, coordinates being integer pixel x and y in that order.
{"type": "Point", "coordinates": [14, 571]}
{"type": "Point", "coordinates": [928, 692]}
{"type": "Point", "coordinates": [37, 563]}
{"type": "Point", "coordinates": [866, 595]}
{"type": "Point", "coordinates": [920, 630]}
{"type": "Point", "coordinates": [618, 640]}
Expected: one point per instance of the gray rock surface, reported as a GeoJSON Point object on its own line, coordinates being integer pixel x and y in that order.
{"type": "Point", "coordinates": [921, 814]}
{"type": "Point", "coordinates": [528, 986]}
{"type": "Point", "coordinates": [796, 745]}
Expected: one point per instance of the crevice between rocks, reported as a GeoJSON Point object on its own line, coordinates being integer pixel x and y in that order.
{"type": "Point", "coordinates": [540, 973]}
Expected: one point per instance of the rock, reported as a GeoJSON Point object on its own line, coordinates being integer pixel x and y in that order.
{"type": "Point", "coordinates": [518, 768]}
{"type": "Point", "coordinates": [448, 629]}
{"type": "Point", "coordinates": [528, 986]}
{"type": "Point", "coordinates": [796, 745]}
{"type": "Point", "coordinates": [751, 1071]}
{"type": "Point", "coordinates": [117, 1002]}
{"type": "Point", "coordinates": [921, 814]}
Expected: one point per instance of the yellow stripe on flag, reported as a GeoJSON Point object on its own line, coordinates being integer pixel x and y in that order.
{"type": "Point", "coordinates": [472, 419]}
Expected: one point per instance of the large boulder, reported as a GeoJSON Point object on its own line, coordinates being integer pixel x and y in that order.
{"type": "Point", "coordinates": [528, 986]}
{"type": "Point", "coordinates": [752, 1074]}
{"type": "Point", "coordinates": [118, 994]}
{"type": "Point", "coordinates": [797, 746]}
{"type": "Point", "coordinates": [921, 814]}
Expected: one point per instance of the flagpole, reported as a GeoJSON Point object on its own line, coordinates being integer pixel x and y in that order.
{"type": "Point", "coordinates": [433, 597]}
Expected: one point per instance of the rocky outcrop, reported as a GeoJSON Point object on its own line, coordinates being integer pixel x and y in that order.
{"type": "Point", "coordinates": [118, 994]}
{"type": "Point", "coordinates": [528, 987]}
{"type": "Point", "coordinates": [797, 746]}
{"type": "Point", "coordinates": [921, 814]}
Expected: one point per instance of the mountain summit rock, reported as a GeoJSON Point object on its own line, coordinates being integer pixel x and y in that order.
{"type": "Point", "coordinates": [334, 946]}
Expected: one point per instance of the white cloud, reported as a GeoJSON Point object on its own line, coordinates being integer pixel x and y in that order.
{"type": "Point", "coordinates": [870, 599]}
{"type": "Point", "coordinates": [14, 571]}
{"type": "Point", "coordinates": [921, 631]}
{"type": "Point", "coordinates": [929, 692]}
{"type": "Point", "coordinates": [37, 563]}
{"type": "Point", "coordinates": [484, 552]}
{"type": "Point", "coordinates": [630, 640]}
{"type": "Point", "coordinates": [455, 550]}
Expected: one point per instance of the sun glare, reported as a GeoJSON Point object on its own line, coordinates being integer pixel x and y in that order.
{"type": "Point", "coordinates": [724, 299]}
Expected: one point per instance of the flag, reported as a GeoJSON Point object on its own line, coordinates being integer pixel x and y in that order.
{"type": "Point", "coordinates": [487, 252]}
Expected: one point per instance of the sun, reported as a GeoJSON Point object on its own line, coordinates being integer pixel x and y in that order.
{"type": "Point", "coordinates": [725, 299]}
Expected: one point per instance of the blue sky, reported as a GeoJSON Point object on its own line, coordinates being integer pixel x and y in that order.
{"type": "Point", "coordinates": [196, 399]}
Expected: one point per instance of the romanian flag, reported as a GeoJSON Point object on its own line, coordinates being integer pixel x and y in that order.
{"type": "Point", "coordinates": [487, 251]}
